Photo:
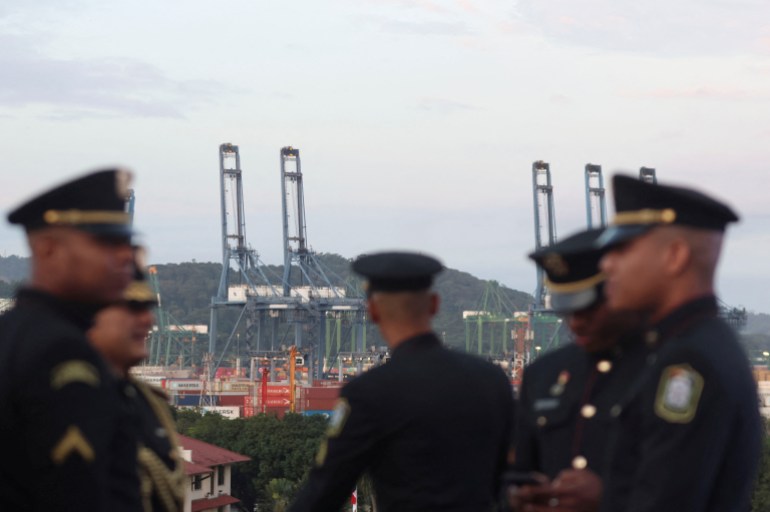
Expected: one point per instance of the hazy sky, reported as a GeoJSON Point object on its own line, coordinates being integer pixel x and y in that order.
{"type": "Point", "coordinates": [417, 121]}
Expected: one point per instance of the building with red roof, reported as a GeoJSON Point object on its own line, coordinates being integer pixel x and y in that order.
{"type": "Point", "coordinates": [209, 469]}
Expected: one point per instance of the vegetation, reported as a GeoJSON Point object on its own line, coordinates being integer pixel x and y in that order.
{"type": "Point", "coordinates": [281, 451]}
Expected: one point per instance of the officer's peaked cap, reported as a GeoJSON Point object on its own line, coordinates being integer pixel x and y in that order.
{"type": "Point", "coordinates": [397, 271]}
{"type": "Point", "coordinates": [641, 206]}
{"type": "Point", "coordinates": [94, 203]}
{"type": "Point", "coordinates": [572, 271]}
{"type": "Point", "coordinates": [139, 291]}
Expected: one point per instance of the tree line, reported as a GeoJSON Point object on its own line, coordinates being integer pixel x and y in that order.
{"type": "Point", "coordinates": [282, 452]}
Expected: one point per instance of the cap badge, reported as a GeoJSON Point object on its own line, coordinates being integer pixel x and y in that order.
{"type": "Point", "coordinates": [555, 264]}
{"type": "Point", "coordinates": [123, 183]}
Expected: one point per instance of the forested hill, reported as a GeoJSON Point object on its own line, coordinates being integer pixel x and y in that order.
{"type": "Point", "coordinates": [186, 290]}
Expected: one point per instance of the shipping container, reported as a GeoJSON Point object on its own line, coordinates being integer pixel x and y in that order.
{"type": "Point", "coordinates": [192, 400]}
{"type": "Point", "coordinates": [326, 414]}
{"type": "Point", "coordinates": [226, 412]}
{"type": "Point", "coordinates": [276, 390]}
{"type": "Point", "coordinates": [323, 393]}
{"type": "Point", "coordinates": [318, 404]}
{"type": "Point", "coordinates": [276, 401]}
{"type": "Point", "coordinates": [184, 385]}
{"type": "Point", "coordinates": [230, 400]}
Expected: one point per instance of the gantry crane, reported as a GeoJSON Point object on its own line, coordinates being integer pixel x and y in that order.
{"type": "Point", "coordinates": [596, 203]}
{"type": "Point", "coordinates": [278, 311]}
{"type": "Point", "coordinates": [543, 325]}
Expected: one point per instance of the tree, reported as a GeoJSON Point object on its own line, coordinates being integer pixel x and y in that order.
{"type": "Point", "coordinates": [280, 449]}
{"type": "Point", "coordinates": [281, 491]}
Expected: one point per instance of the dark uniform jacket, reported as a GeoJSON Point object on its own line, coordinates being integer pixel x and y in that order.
{"type": "Point", "coordinates": [67, 433]}
{"type": "Point", "coordinates": [687, 435]}
{"type": "Point", "coordinates": [161, 469]}
{"type": "Point", "coordinates": [563, 411]}
{"type": "Point", "coordinates": [431, 426]}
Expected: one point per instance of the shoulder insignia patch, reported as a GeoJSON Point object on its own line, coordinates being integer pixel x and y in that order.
{"type": "Point", "coordinates": [339, 417]}
{"type": "Point", "coordinates": [72, 442]}
{"type": "Point", "coordinates": [74, 371]}
{"type": "Point", "coordinates": [679, 392]}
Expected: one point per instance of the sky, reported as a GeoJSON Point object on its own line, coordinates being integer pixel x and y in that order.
{"type": "Point", "coordinates": [417, 121]}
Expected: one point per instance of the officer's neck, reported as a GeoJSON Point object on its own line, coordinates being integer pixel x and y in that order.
{"type": "Point", "coordinates": [677, 295]}
{"type": "Point", "coordinates": [395, 334]}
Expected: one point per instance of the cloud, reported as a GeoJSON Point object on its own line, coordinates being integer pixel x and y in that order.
{"type": "Point", "coordinates": [443, 106]}
{"type": "Point", "coordinates": [421, 5]}
{"type": "Point", "coordinates": [702, 92]}
{"type": "Point", "coordinates": [94, 87]}
{"type": "Point", "coordinates": [661, 27]}
{"type": "Point", "coordinates": [438, 28]}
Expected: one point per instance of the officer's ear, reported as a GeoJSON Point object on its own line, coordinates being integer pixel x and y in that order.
{"type": "Point", "coordinates": [435, 301]}
{"type": "Point", "coordinates": [43, 242]}
{"type": "Point", "coordinates": [678, 256]}
{"type": "Point", "coordinates": [373, 310]}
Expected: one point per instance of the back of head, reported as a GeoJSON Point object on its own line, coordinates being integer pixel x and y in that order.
{"type": "Point", "coordinates": [398, 288]}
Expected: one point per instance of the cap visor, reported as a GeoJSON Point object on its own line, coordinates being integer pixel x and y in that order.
{"type": "Point", "coordinates": [617, 235]}
{"type": "Point", "coordinates": [115, 231]}
{"type": "Point", "coordinates": [574, 301]}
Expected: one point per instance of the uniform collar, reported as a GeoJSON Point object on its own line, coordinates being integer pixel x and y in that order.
{"type": "Point", "coordinates": [682, 318]}
{"type": "Point", "coordinates": [80, 313]}
{"type": "Point", "coordinates": [417, 343]}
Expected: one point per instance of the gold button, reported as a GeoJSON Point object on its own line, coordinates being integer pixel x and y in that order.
{"type": "Point", "coordinates": [579, 462]}
{"type": "Point", "coordinates": [616, 410]}
{"type": "Point", "coordinates": [541, 421]}
{"type": "Point", "coordinates": [651, 337]}
{"type": "Point", "coordinates": [588, 411]}
{"type": "Point", "coordinates": [604, 366]}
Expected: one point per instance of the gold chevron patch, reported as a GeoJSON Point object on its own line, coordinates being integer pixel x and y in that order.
{"type": "Point", "coordinates": [74, 371]}
{"type": "Point", "coordinates": [71, 442]}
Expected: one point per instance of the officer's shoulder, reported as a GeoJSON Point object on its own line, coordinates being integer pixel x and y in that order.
{"type": "Point", "coordinates": [41, 340]}
{"type": "Point", "coordinates": [711, 342]}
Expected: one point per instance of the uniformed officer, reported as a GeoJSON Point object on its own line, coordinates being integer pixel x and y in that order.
{"type": "Point", "coordinates": [687, 436]}
{"type": "Point", "coordinates": [566, 396]}
{"type": "Point", "coordinates": [120, 334]}
{"type": "Point", "coordinates": [431, 426]}
{"type": "Point", "coordinates": [65, 431]}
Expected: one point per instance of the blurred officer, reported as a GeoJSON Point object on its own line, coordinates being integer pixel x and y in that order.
{"type": "Point", "coordinates": [65, 428]}
{"type": "Point", "coordinates": [120, 335]}
{"type": "Point", "coordinates": [431, 426]}
{"type": "Point", "coordinates": [563, 411]}
{"type": "Point", "coordinates": [687, 436]}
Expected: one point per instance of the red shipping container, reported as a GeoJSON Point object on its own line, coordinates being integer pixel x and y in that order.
{"type": "Point", "coordinates": [278, 390]}
{"type": "Point", "coordinates": [248, 412]}
{"type": "Point", "coordinates": [232, 400]}
{"type": "Point", "coordinates": [322, 393]}
{"type": "Point", "coordinates": [248, 401]}
{"type": "Point", "coordinates": [319, 404]}
{"type": "Point", "coordinates": [277, 401]}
